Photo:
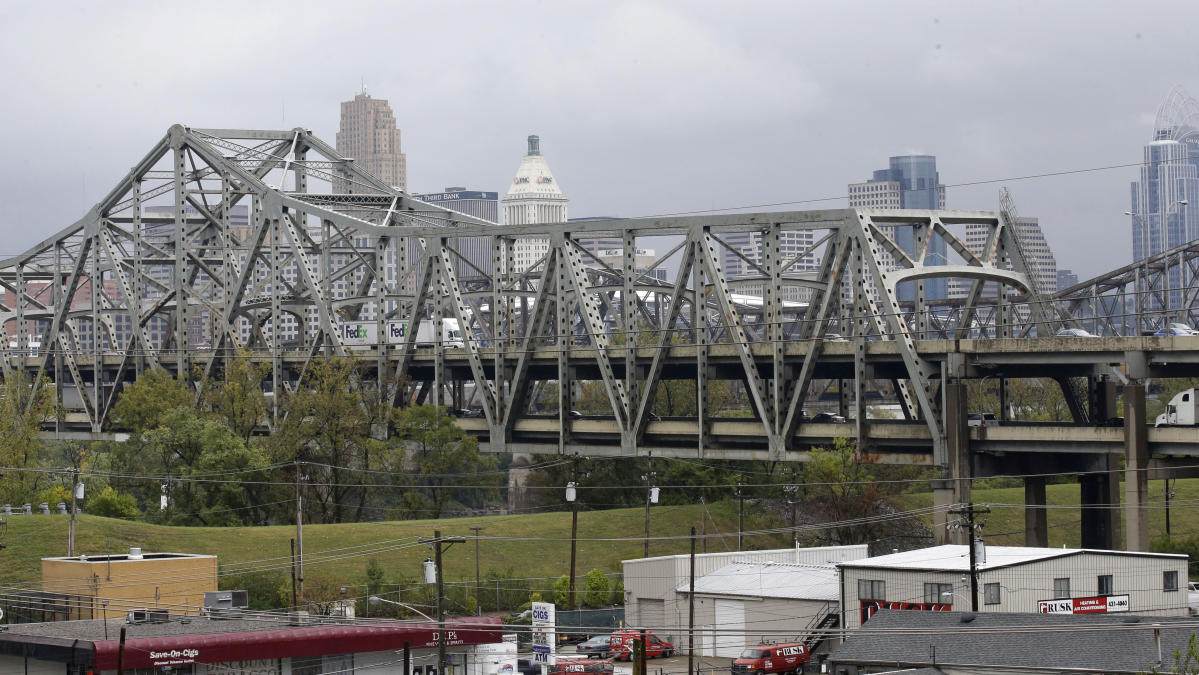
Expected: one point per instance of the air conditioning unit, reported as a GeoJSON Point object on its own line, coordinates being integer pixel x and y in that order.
{"type": "Point", "coordinates": [136, 616]}
{"type": "Point", "coordinates": [298, 619]}
{"type": "Point", "coordinates": [225, 604]}
{"type": "Point", "coordinates": [158, 616]}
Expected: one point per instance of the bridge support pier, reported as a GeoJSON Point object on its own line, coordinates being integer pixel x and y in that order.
{"type": "Point", "coordinates": [1098, 514]}
{"type": "Point", "coordinates": [1036, 521]}
{"type": "Point", "coordinates": [943, 500]}
{"type": "Point", "coordinates": [957, 445]}
{"type": "Point", "coordinates": [1136, 464]}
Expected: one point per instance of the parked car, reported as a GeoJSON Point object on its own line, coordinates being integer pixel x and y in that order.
{"type": "Point", "coordinates": [1193, 597]}
{"type": "Point", "coordinates": [980, 419]}
{"type": "Point", "coordinates": [621, 645]}
{"type": "Point", "coordinates": [789, 657]}
{"type": "Point", "coordinates": [828, 418]}
{"type": "Point", "coordinates": [1074, 333]}
{"type": "Point", "coordinates": [598, 647]}
{"type": "Point", "coordinates": [580, 667]}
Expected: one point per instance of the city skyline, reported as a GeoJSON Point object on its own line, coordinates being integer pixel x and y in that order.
{"type": "Point", "coordinates": [691, 108]}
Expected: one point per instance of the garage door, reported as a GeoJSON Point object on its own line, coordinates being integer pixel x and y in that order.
{"type": "Point", "coordinates": [652, 614]}
{"type": "Point", "coordinates": [730, 627]}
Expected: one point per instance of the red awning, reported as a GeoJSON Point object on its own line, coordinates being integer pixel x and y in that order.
{"type": "Point", "coordinates": [284, 641]}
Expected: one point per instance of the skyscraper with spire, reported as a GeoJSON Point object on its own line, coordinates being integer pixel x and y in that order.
{"type": "Point", "coordinates": [370, 136]}
{"type": "Point", "coordinates": [533, 197]}
{"type": "Point", "coordinates": [1164, 211]}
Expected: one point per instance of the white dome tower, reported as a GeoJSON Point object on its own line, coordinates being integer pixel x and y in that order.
{"type": "Point", "coordinates": [533, 197]}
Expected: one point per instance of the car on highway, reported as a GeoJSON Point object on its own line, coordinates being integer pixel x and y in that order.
{"type": "Point", "coordinates": [828, 418]}
{"type": "Point", "coordinates": [1176, 329]}
{"type": "Point", "coordinates": [598, 646]}
{"type": "Point", "coordinates": [1074, 333]}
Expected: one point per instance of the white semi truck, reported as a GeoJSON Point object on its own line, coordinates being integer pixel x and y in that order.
{"type": "Point", "coordinates": [365, 333]}
{"type": "Point", "coordinates": [1181, 411]}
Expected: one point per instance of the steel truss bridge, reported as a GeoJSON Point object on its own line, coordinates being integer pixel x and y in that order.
{"type": "Point", "coordinates": [221, 241]}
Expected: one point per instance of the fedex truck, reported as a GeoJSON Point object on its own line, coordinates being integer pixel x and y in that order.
{"type": "Point", "coordinates": [366, 333]}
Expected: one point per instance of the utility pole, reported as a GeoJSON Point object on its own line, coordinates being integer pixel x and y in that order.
{"type": "Point", "coordinates": [573, 498]}
{"type": "Point", "coordinates": [691, 610]}
{"type": "Point", "coordinates": [437, 551]}
{"type": "Point", "coordinates": [478, 584]}
{"type": "Point", "coordinates": [651, 496]}
{"type": "Point", "coordinates": [970, 511]}
{"type": "Point", "coordinates": [703, 522]}
{"type": "Point", "coordinates": [75, 496]}
{"type": "Point", "coordinates": [299, 533]}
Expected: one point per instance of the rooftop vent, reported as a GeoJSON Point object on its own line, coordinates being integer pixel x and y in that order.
{"type": "Point", "coordinates": [135, 553]}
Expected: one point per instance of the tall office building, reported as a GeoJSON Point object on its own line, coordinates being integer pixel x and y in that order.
{"type": "Point", "coordinates": [533, 197]}
{"type": "Point", "coordinates": [909, 182]}
{"type": "Point", "coordinates": [1165, 212]}
{"type": "Point", "coordinates": [370, 136]}
{"type": "Point", "coordinates": [749, 246]}
{"type": "Point", "coordinates": [1066, 279]}
{"type": "Point", "coordinates": [475, 252]}
{"type": "Point", "coordinates": [1036, 251]}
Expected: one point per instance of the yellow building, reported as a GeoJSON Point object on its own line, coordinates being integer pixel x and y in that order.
{"type": "Point", "coordinates": [108, 586]}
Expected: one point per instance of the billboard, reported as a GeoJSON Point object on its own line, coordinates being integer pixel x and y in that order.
{"type": "Point", "coordinates": [1108, 604]}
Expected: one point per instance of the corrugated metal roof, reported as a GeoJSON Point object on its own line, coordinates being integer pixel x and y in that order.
{"type": "Point", "coordinates": [956, 557]}
{"type": "Point", "coordinates": [770, 580]}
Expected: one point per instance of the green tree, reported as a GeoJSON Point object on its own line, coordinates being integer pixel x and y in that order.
{"type": "Point", "coordinates": [113, 504]}
{"type": "Point", "coordinates": [326, 424]}
{"type": "Point", "coordinates": [561, 591]}
{"type": "Point", "coordinates": [145, 403]}
{"type": "Point", "coordinates": [598, 589]}
{"type": "Point", "coordinates": [236, 396]}
{"type": "Point", "coordinates": [843, 487]}
{"type": "Point", "coordinates": [23, 410]}
{"type": "Point", "coordinates": [446, 460]}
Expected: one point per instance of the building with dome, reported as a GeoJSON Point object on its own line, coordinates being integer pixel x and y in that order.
{"type": "Point", "coordinates": [1164, 211]}
{"type": "Point", "coordinates": [533, 197]}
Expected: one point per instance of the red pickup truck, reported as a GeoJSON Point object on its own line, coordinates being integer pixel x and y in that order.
{"type": "Point", "coordinates": [789, 657]}
{"type": "Point", "coordinates": [622, 645]}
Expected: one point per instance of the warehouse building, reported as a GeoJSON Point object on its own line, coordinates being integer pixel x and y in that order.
{"type": "Point", "coordinates": [748, 603]}
{"type": "Point", "coordinates": [1015, 579]}
{"type": "Point", "coordinates": [656, 588]}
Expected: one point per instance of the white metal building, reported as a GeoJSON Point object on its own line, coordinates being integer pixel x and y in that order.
{"type": "Point", "coordinates": [652, 594]}
{"type": "Point", "coordinates": [748, 603]}
{"type": "Point", "coordinates": [1016, 579]}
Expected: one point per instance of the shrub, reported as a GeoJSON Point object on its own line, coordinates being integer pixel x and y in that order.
{"type": "Point", "coordinates": [113, 504]}
{"type": "Point", "coordinates": [598, 589]}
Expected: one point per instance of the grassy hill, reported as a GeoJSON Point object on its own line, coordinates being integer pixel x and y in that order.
{"type": "Point", "coordinates": [1005, 525]}
{"type": "Point", "coordinates": [533, 545]}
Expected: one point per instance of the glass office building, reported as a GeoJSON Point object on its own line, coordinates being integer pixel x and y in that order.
{"type": "Point", "coordinates": [1164, 210]}
{"type": "Point", "coordinates": [909, 182]}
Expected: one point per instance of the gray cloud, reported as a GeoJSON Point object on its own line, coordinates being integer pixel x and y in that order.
{"type": "Point", "coordinates": [643, 107]}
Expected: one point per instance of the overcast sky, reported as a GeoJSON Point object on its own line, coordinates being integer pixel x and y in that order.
{"type": "Point", "coordinates": [643, 108]}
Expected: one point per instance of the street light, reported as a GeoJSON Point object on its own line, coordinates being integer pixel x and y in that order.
{"type": "Point", "coordinates": [374, 599]}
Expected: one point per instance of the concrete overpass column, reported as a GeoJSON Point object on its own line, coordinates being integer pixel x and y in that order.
{"type": "Point", "coordinates": [1097, 511]}
{"type": "Point", "coordinates": [1036, 522]}
{"type": "Point", "coordinates": [957, 435]}
{"type": "Point", "coordinates": [1136, 461]}
{"type": "Point", "coordinates": [942, 501]}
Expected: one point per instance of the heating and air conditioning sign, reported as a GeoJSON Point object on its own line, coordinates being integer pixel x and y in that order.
{"type": "Point", "coordinates": [1104, 604]}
